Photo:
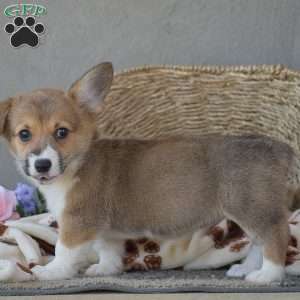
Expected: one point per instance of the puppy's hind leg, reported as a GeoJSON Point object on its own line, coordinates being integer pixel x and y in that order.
{"type": "Point", "coordinates": [252, 262]}
{"type": "Point", "coordinates": [266, 222]}
{"type": "Point", "coordinates": [275, 243]}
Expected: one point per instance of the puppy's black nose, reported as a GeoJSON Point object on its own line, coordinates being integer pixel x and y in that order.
{"type": "Point", "coordinates": [43, 165]}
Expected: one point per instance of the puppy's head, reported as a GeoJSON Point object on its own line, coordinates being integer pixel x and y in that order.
{"type": "Point", "coordinates": [49, 131]}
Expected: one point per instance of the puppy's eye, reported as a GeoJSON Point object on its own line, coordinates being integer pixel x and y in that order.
{"type": "Point", "coordinates": [61, 133]}
{"type": "Point", "coordinates": [25, 135]}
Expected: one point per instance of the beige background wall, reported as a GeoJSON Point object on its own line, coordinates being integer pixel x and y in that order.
{"type": "Point", "coordinates": [81, 33]}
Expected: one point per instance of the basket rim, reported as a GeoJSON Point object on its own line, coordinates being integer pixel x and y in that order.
{"type": "Point", "coordinates": [275, 69]}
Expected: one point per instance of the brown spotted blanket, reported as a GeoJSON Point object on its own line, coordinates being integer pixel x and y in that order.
{"type": "Point", "coordinates": [29, 241]}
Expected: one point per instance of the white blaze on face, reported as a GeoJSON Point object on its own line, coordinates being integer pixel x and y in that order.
{"type": "Point", "coordinates": [50, 154]}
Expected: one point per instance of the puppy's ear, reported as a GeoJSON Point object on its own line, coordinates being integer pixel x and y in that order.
{"type": "Point", "coordinates": [93, 86]}
{"type": "Point", "coordinates": [4, 110]}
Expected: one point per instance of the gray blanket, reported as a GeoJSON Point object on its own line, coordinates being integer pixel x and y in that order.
{"type": "Point", "coordinates": [149, 282]}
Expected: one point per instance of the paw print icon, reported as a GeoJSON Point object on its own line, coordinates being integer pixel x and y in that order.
{"type": "Point", "coordinates": [24, 31]}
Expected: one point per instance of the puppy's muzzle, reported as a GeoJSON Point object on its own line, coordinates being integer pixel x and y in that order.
{"type": "Point", "coordinates": [44, 166]}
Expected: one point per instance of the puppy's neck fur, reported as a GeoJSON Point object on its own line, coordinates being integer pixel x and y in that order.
{"type": "Point", "coordinates": [55, 194]}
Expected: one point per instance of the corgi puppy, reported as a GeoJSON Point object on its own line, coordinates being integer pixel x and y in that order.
{"type": "Point", "coordinates": [102, 190]}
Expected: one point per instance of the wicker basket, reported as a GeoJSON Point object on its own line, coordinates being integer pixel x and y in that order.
{"type": "Point", "coordinates": [156, 101]}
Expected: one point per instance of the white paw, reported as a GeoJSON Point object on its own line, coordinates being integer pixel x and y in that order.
{"type": "Point", "coordinates": [51, 273]}
{"type": "Point", "coordinates": [102, 269]}
{"type": "Point", "coordinates": [264, 276]}
{"type": "Point", "coordinates": [42, 273]}
{"type": "Point", "coordinates": [239, 270]}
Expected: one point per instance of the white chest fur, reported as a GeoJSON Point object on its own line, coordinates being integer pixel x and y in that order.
{"type": "Point", "coordinates": [55, 194]}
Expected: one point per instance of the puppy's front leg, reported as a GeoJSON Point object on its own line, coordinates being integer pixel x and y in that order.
{"type": "Point", "coordinates": [66, 263]}
{"type": "Point", "coordinates": [110, 257]}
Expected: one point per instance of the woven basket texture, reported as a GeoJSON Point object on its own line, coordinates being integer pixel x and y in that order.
{"type": "Point", "coordinates": [160, 101]}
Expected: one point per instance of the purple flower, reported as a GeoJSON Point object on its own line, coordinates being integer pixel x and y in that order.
{"type": "Point", "coordinates": [26, 198]}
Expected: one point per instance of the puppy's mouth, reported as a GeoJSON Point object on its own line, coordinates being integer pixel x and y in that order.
{"type": "Point", "coordinates": [45, 178]}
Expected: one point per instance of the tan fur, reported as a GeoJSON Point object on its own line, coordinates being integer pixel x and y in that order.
{"type": "Point", "coordinates": [173, 186]}
{"type": "Point", "coordinates": [4, 110]}
{"type": "Point", "coordinates": [165, 187]}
